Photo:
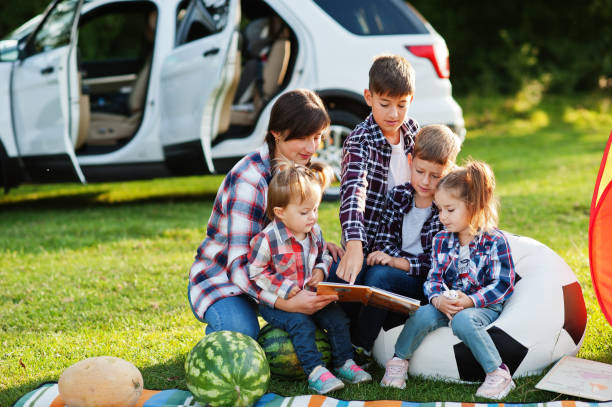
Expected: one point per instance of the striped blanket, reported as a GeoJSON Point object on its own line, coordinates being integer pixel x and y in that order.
{"type": "Point", "coordinates": [47, 396]}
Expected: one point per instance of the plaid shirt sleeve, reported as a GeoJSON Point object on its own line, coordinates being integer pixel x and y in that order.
{"type": "Point", "coordinates": [262, 272]}
{"type": "Point", "coordinates": [245, 204]}
{"type": "Point", "coordinates": [434, 284]}
{"type": "Point", "coordinates": [387, 238]}
{"type": "Point", "coordinates": [353, 187]}
{"type": "Point", "coordinates": [324, 258]}
{"type": "Point", "coordinates": [500, 274]}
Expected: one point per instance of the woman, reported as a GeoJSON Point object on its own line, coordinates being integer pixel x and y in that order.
{"type": "Point", "coordinates": [220, 293]}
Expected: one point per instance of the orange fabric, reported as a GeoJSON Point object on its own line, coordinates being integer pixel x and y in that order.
{"type": "Point", "coordinates": [146, 395]}
{"type": "Point", "coordinates": [600, 246]}
{"type": "Point", "coordinates": [58, 402]}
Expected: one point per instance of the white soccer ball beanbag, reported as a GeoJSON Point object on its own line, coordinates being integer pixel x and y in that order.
{"type": "Point", "coordinates": [542, 321]}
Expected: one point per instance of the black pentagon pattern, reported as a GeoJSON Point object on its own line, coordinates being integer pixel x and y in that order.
{"type": "Point", "coordinates": [511, 351]}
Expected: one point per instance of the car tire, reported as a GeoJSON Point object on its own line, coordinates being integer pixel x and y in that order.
{"type": "Point", "coordinates": [342, 124]}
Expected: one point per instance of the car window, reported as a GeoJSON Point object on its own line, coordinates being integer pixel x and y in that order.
{"type": "Point", "coordinates": [117, 34]}
{"type": "Point", "coordinates": [25, 29]}
{"type": "Point", "coordinates": [56, 29]}
{"type": "Point", "coordinates": [368, 17]}
{"type": "Point", "coordinates": [197, 19]}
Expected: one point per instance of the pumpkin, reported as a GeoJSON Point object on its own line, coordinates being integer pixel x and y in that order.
{"type": "Point", "coordinates": [103, 381]}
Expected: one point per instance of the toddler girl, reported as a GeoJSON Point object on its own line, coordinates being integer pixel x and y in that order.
{"type": "Point", "coordinates": [472, 275]}
{"type": "Point", "coordinates": [290, 255]}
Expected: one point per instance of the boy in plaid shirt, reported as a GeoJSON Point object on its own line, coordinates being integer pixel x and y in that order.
{"type": "Point", "coordinates": [402, 256]}
{"type": "Point", "coordinates": [375, 159]}
{"type": "Point", "coordinates": [289, 255]}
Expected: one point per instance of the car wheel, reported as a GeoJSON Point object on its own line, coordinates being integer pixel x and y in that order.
{"type": "Point", "coordinates": [342, 123]}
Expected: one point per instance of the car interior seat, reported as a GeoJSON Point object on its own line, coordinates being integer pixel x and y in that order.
{"type": "Point", "coordinates": [84, 117]}
{"type": "Point", "coordinates": [108, 128]}
{"type": "Point", "coordinates": [268, 50]}
{"type": "Point", "coordinates": [232, 83]}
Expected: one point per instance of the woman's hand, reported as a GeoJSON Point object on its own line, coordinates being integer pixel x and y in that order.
{"type": "Point", "coordinates": [316, 278]}
{"type": "Point", "coordinates": [305, 302]}
{"type": "Point", "coordinates": [293, 292]}
{"type": "Point", "coordinates": [378, 257]}
{"type": "Point", "coordinates": [447, 306]}
{"type": "Point", "coordinates": [336, 251]}
{"type": "Point", "coordinates": [352, 261]}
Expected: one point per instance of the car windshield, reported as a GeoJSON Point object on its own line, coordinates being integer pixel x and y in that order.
{"type": "Point", "coordinates": [380, 17]}
{"type": "Point", "coordinates": [24, 30]}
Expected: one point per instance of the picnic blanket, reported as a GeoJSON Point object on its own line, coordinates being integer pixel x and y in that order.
{"type": "Point", "coordinates": [47, 395]}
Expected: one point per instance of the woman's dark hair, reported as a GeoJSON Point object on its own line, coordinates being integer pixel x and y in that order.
{"type": "Point", "coordinates": [296, 114]}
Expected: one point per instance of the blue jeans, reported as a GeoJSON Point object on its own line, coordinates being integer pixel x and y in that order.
{"type": "Point", "coordinates": [351, 309]}
{"type": "Point", "coordinates": [301, 329]}
{"type": "Point", "coordinates": [238, 314]}
{"type": "Point", "coordinates": [371, 319]}
{"type": "Point", "coordinates": [469, 325]}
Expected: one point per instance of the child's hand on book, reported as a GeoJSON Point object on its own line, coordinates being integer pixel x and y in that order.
{"type": "Point", "coordinates": [316, 278]}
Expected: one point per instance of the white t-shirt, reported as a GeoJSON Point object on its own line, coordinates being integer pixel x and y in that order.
{"type": "Point", "coordinates": [412, 224]}
{"type": "Point", "coordinates": [399, 170]}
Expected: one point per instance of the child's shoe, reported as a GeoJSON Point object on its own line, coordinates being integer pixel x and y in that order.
{"type": "Point", "coordinates": [351, 373]}
{"type": "Point", "coordinates": [323, 381]}
{"type": "Point", "coordinates": [497, 384]}
{"type": "Point", "coordinates": [362, 357]}
{"type": "Point", "coordinates": [396, 373]}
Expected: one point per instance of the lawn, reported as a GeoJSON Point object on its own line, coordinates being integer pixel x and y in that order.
{"type": "Point", "coordinates": [102, 269]}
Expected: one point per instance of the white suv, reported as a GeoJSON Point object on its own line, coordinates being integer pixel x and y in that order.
{"type": "Point", "coordinates": [124, 89]}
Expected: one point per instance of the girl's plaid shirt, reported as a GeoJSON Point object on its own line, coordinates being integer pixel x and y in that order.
{"type": "Point", "coordinates": [490, 276]}
{"type": "Point", "coordinates": [365, 169]}
{"type": "Point", "coordinates": [277, 261]}
{"type": "Point", "coordinates": [389, 236]}
{"type": "Point", "coordinates": [239, 213]}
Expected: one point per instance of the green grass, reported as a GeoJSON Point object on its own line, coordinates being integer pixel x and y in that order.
{"type": "Point", "coordinates": [102, 269]}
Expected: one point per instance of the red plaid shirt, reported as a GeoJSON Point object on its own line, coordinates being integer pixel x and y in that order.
{"type": "Point", "coordinates": [365, 170]}
{"type": "Point", "coordinates": [277, 261]}
{"type": "Point", "coordinates": [239, 213]}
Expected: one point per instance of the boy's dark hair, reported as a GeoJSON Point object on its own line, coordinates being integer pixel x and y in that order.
{"type": "Point", "coordinates": [436, 143]}
{"type": "Point", "coordinates": [391, 75]}
{"type": "Point", "coordinates": [296, 114]}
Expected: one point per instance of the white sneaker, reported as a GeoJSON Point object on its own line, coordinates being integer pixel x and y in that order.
{"type": "Point", "coordinates": [396, 373]}
{"type": "Point", "coordinates": [497, 384]}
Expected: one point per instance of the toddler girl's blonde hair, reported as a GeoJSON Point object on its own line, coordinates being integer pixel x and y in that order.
{"type": "Point", "coordinates": [474, 184]}
{"type": "Point", "coordinates": [295, 183]}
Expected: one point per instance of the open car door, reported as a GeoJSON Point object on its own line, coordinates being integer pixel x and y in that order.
{"type": "Point", "coordinates": [45, 93]}
{"type": "Point", "coordinates": [196, 77]}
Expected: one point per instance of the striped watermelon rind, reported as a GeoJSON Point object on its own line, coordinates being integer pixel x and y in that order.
{"type": "Point", "coordinates": [281, 355]}
{"type": "Point", "coordinates": [227, 369]}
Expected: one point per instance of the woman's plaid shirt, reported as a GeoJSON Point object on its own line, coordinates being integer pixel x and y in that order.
{"type": "Point", "coordinates": [239, 213]}
{"type": "Point", "coordinates": [489, 279]}
{"type": "Point", "coordinates": [389, 236]}
{"type": "Point", "coordinates": [365, 171]}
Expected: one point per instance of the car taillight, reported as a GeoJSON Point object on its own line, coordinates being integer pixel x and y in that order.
{"type": "Point", "coordinates": [437, 54]}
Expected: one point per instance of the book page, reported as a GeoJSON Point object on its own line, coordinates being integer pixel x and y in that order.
{"type": "Point", "coordinates": [579, 377]}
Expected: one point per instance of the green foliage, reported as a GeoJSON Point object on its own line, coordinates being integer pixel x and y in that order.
{"type": "Point", "coordinates": [501, 46]}
{"type": "Point", "coordinates": [101, 269]}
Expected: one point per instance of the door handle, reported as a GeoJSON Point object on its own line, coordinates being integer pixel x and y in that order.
{"type": "Point", "coordinates": [47, 70]}
{"type": "Point", "coordinates": [213, 51]}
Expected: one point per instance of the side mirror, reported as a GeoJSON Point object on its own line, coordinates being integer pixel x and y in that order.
{"type": "Point", "coordinates": [9, 50]}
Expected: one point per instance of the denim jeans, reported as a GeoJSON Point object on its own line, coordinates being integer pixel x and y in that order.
{"type": "Point", "coordinates": [351, 309]}
{"type": "Point", "coordinates": [301, 329]}
{"type": "Point", "coordinates": [469, 325]}
{"type": "Point", "coordinates": [238, 314]}
{"type": "Point", "coordinates": [366, 328]}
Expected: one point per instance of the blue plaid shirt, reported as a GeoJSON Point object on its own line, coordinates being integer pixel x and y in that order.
{"type": "Point", "coordinates": [490, 276]}
{"type": "Point", "coordinates": [365, 170]}
{"type": "Point", "coordinates": [389, 236]}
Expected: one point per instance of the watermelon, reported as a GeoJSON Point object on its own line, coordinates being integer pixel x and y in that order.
{"type": "Point", "coordinates": [281, 356]}
{"type": "Point", "coordinates": [227, 369]}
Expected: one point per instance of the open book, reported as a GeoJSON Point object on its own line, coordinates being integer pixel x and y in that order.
{"type": "Point", "coordinates": [369, 296]}
{"type": "Point", "coordinates": [579, 377]}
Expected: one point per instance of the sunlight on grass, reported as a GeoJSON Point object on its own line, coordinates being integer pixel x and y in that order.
{"type": "Point", "coordinates": [101, 269]}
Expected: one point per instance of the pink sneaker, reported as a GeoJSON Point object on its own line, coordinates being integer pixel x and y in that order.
{"type": "Point", "coordinates": [396, 373]}
{"type": "Point", "coordinates": [497, 384]}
